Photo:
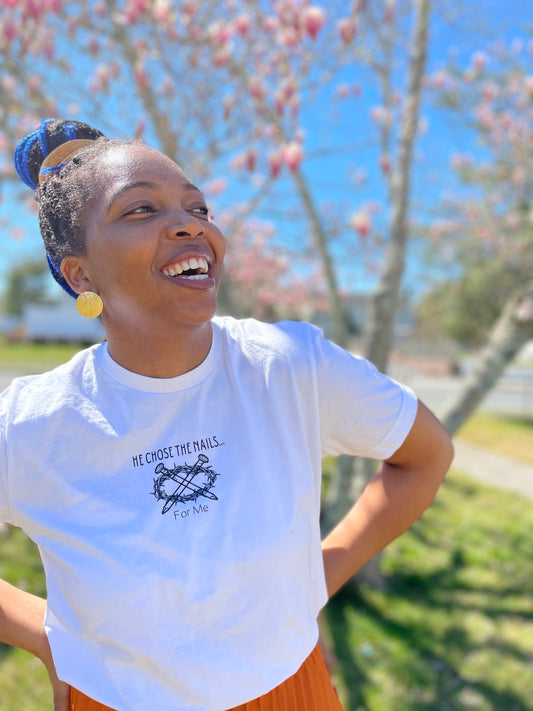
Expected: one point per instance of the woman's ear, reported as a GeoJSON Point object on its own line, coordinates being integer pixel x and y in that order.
{"type": "Point", "coordinates": [74, 271]}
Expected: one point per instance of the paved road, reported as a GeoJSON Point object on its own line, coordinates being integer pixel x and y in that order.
{"type": "Point", "coordinates": [512, 395]}
{"type": "Point", "coordinates": [493, 469]}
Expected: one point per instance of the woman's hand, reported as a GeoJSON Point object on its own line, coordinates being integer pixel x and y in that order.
{"type": "Point", "coordinates": [22, 625]}
{"type": "Point", "coordinates": [60, 689]}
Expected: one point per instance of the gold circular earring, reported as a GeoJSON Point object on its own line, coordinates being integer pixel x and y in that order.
{"type": "Point", "coordinates": [89, 304]}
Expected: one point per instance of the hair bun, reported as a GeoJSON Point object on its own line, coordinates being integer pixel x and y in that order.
{"type": "Point", "coordinates": [33, 148]}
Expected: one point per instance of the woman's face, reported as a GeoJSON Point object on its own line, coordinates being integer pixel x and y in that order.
{"type": "Point", "coordinates": [151, 252]}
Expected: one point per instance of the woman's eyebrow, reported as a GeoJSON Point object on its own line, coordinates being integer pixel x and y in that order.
{"type": "Point", "coordinates": [144, 184]}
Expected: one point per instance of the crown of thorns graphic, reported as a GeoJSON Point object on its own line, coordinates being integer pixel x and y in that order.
{"type": "Point", "coordinates": [186, 490]}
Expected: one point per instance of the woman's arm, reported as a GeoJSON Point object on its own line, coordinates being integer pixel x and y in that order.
{"type": "Point", "coordinates": [21, 625]}
{"type": "Point", "coordinates": [392, 501]}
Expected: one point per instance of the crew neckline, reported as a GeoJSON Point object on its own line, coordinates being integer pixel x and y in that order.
{"type": "Point", "coordinates": [144, 383]}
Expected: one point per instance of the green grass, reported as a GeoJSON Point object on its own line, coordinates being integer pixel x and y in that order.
{"type": "Point", "coordinates": [34, 357]}
{"type": "Point", "coordinates": [452, 632]}
{"type": "Point", "coordinates": [510, 436]}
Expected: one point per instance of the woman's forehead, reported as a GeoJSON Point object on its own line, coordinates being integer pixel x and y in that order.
{"type": "Point", "coordinates": [132, 161]}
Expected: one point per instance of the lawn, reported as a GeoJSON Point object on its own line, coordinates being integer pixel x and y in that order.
{"type": "Point", "coordinates": [510, 436]}
{"type": "Point", "coordinates": [454, 630]}
{"type": "Point", "coordinates": [34, 357]}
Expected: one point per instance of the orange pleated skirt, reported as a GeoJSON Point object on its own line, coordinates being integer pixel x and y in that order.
{"type": "Point", "coordinates": [310, 689]}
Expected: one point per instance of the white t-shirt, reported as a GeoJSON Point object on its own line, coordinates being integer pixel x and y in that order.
{"type": "Point", "coordinates": [178, 519]}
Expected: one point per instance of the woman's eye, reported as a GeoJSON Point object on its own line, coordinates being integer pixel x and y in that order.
{"type": "Point", "coordinates": [141, 210]}
{"type": "Point", "coordinates": [201, 210]}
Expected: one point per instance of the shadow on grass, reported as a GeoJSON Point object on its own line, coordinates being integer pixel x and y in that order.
{"type": "Point", "coordinates": [431, 671]}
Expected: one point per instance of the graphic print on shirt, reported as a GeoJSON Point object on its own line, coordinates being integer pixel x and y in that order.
{"type": "Point", "coordinates": [184, 483]}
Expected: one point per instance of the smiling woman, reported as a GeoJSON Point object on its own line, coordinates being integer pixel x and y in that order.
{"type": "Point", "coordinates": [173, 478]}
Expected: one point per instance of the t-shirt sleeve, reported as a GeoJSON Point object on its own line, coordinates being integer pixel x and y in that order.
{"type": "Point", "coordinates": [362, 411]}
{"type": "Point", "coordinates": [5, 510]}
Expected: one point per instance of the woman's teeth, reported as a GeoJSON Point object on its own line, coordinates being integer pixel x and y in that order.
{"type": "Point", "coordinates": [198, 264]}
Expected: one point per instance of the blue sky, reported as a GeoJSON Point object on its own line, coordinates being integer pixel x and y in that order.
{"type": "Point", "coordinates": [483, 22]}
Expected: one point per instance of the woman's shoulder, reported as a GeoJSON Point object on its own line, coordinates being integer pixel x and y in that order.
{"type": "Point", "coordinates": [47, 389]}
{"type": "Point", "coordinates": [283, 337]}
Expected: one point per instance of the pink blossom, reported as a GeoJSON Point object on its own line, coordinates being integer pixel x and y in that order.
{"type": "Point", "coordinates": [360, 177]}
{"type": "Point", "coordinates": [269, 23]}
{"type": "Point", "coordinates": [49, 48]}
{"type": "Point", "coordinates": [347, 28]}
{"type": "Point", "coordinates": [313, 20]}
{"type": "Point", "coordinates": [460, 160]}
{"type": "Point", "coordinates": [221, 58]}
{"type": "Point", "coordinates": [140, 128]}
{"type": "Point", "coordinates": [293, 154]}
{"type": "Point", "coordinates": [189, 7]}
{"type": "Point", "coordinates": [33, 9]}
{"type": "Point", "coordinates": [34, 82]}
{"type": "Point", "coordinates": [289, 37]}
{"type": "Point", "coordinates": [17, 233]}
{"type": "Point", "coordinates": [342, 91]}
{"type": "Point", "coordinates": [100, 9]}
{"type": "Point", "coordinates": [141, 77]}
{"type": "Point", "coordinates": [251, 159]}
{"type": "Point", "coordinates": [9, 30]}
{"type": "Point", "coordinates": [275, 162]}
{"type": "Point", "coordinates": [384, 163]}
{"type": "Point", "coordinates": [220, 32]}
{"type": "Point", "coordinates": [167, 86]}
{"type": "Point", "coordinates": [489, 91]}
{"type": "Point", "coordinates": [94, 46]}
{"type": "Point", "coordinates": [228, 106]}
{"type": "Point", "coordinates": [243, 25]}
{"type": "Point", "coordinates": [9, 83]}
{"type": "Point", "coordinates": [294, 104]}
{"type": "Point", "coordinates": [215, 187]}
{"type": "Point", "coordinates": [479, 60]}
{"type": "Point", "coordinates": [279, 102]}
{"type": "Point", "coordinates": [438, 80]}
{"type": "Point", "coordinates": [256, 88]}
{"type": "Point", "coordinates": [238, 162]}
{"type": "Point", "coordinates": [381, 115]}
{"type": "Point", "coordinates": [361, 223]}
{"type": "Point", "coordinates": [389, 10]}
{"type": "Point", "coordinates": [162, 11]}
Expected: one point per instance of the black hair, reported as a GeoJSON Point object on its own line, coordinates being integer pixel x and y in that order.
{"type": "Point", "coordinates": [67, 190]}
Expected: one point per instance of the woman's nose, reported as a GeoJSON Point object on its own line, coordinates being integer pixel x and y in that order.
{"type": "Point", "coordinates": [186, 227]}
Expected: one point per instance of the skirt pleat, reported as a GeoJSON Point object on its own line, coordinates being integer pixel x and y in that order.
{"type": "Point", "coordinates": [310, 689]}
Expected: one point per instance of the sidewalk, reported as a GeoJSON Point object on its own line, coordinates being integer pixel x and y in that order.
{"type": "Point", "coordinates": [493, 469]}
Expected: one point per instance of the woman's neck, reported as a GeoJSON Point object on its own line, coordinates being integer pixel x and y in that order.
{"type": "Point", "coordinates": [164, 355]}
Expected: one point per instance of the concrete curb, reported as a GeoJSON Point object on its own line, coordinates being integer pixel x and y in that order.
{"type": "Point", "coordinates": [493, 469]}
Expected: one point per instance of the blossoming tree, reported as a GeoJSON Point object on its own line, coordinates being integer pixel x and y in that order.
{"type": "Point", "coordinates": [490, 222]}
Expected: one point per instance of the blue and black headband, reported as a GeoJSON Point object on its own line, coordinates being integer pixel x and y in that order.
{"type": "Point", "coordinates": [38, 148]}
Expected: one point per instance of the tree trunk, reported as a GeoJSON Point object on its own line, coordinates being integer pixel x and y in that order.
{"type": "Point", "coordinates": [350, 477]}
{"type": "Point", "coordinates": [512, 330]}
{"type": "Point", "coordinates": [380, 327]}
{"type": "Point", "coordinates": [338, 312]}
